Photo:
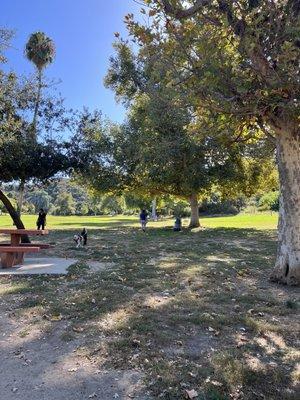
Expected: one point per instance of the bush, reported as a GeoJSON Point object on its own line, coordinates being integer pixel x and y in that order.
{"type": "Point", "coordinates": [216, 205]}
{"type": "Point", "coordinates": [13, 202]}
{"type": "Point", "coordinates": [65, 204]}
{"type": "Point", "coordinates": [112, 205]}
{"type": "Point", "coordinates": [269, 201]}
{"type": "Point", "coordinates": [181, 209]}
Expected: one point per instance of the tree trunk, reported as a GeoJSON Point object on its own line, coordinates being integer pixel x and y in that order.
{"type": "Point", "coordinates": [153, 212]}
{"type": "Point", "coordinates": [287, 267]}
{"type": "Point", "coordinates": [20, 197]}
{"type": "Point", "coordinates": [194, 221]}
{"type": "Point", "coordinates": [14, 215]}
{"type": "Point", "coordinates": [37, 105]}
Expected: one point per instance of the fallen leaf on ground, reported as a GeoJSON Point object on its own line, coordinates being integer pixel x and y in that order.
{"type": "Point", "coordinates": [191, 394]}
{"type": "Point", "coordinates": [78, 329]}
{"type": "Point", "coordinates": [216, 383]}
{"type": "Point", "coordinates": [72, 369]}
{"type": "Point", "coordinates": [56, 318]}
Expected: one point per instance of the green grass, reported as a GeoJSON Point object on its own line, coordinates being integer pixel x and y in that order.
{"type": "Point", "coordinates": [254, 221]}
{"type": "Point", "coordinates": [72, 222]}
{"type": "Point", "coordinates": [243, 221]}
{"type": "Point", "coordinates": [192, 310]}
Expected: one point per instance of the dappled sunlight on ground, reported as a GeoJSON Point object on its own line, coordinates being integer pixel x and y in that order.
{"type": "Point", "coordinates": [254, 363]}
{"type": "Point", "coordinates": [194, 310]}
{"type": "Point", "coordinates": [156, 301]}
{"type": "Point", "coordinates": [114, 320]}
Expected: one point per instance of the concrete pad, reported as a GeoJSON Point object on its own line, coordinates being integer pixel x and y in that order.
{"type": "Point", "coordinates": [46, 265]}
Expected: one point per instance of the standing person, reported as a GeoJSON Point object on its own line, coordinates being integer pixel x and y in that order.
{"type": "Point", "coordinates": [41, 221]}
{"type": "Point", "coordinates": [143, 219]}
{"type": "Point", "coordinates": [84, 236]}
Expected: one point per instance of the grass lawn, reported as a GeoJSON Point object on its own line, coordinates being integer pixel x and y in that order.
{"type": "Point", "coordinates": [253, 221]}
{"type": "Point", "coordinates": [190, 310]}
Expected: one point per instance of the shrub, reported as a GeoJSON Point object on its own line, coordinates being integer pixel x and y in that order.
{"type": "Point", "coordinates": [216, 205]}
{"type": "Point", "coordinates": [181, 209]}
{"type": "Point", "coordinates": [269, 201]}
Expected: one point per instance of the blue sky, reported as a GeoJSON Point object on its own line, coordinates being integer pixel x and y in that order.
{"type": "Point", "coordinates": [83, 31]}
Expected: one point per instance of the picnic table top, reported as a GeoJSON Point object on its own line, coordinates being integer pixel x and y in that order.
{"type": "Point", "coordinates": [24, 231]}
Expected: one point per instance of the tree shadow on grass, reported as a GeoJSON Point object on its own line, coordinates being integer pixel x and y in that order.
{"type": "Point", "coordinates": [194, 309]}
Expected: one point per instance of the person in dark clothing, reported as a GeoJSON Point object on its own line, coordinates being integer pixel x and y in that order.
{"type": "Point", "coordinates": [143, 219]}
{"type": "Point", "coordinates": [41, 221]}
{"type": "Point", "coordinates": [84, 236]}
{"type": "Point", "coordinates": [177, 225]}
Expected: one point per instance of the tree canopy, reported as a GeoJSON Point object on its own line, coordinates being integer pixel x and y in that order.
{"type": "Point", "coordinates": [238, 59]}
{"type": "Point", "coordinates": [25, 157]}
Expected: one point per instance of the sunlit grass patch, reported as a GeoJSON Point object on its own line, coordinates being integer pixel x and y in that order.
{"type": "Point", "coordinates": [14, 288]}
{"type": "Point", "coordinates": [115, 320]}
{"type": "Point", "coordinates": [262, 221]}
{"type": "Point", "coordinates": [261, 325]}
{"type": "Point", "coordinates": [237, 369]}
{"type": "Point", "coordinates": [296, 374]}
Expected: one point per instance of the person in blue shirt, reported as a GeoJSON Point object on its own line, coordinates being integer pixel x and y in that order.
{"type": "Point", "coordinates": [143, 219]}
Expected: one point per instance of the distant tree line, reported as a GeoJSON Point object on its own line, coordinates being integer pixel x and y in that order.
{"type": "Point", "coordinates": [66, 197]}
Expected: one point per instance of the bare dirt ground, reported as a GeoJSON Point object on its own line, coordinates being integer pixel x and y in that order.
{"type": "Point", "coordinates": [36, 364]}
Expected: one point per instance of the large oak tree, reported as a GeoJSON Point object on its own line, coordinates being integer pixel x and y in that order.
{"type": "Point", "coordinates": [241, 58]}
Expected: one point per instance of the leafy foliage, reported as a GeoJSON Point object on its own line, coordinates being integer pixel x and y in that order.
{"type": "Point", "coordinates": [242, 59]}
{"type": "Point", "coordinates": [65, 204]}
{"type": "Point", "coordinates": [269, 201]}
{"type": "Point", "coordinates": [176, 146]}
{"type": "Point", "coordinates": [5, 38]}
{"type": "Point", "coordinates": [95, 149]}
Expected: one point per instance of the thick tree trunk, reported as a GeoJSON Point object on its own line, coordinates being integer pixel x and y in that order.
{"type": "Point", "coordinates": [20, 197]}
{"type": "Point", "coordinates": [153, 211]}
{"type": "Point", "coordinates": [14, 215]}
{"type": "Point", "coordinates": [287, 267]}
{"type": "Point", "coordinates": [194, 221]}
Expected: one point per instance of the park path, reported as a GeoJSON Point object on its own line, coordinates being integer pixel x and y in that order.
{"type": "Point", "coordinates": [39, 365]}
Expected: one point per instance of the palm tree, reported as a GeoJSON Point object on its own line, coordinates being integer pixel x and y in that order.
{"type": "Point", "coordinates": [40, 50]}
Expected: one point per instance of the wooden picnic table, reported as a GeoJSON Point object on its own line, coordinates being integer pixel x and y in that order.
{"type": "Point", "coordinates": [13, 252]}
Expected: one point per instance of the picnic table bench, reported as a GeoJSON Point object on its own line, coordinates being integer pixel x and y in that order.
{"type": "Point", "coordinates": [40, 245]}
{"type": "Point", "coordinates": [13, 253]}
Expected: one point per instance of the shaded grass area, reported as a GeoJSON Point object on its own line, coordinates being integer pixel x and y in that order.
{"type": "Point", "coordinates": [193, 310]}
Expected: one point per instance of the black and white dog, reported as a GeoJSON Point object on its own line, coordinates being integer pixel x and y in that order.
{"type": "Point", "coordinates": [81, 240]}
{"type": "Point", "coordinates": [78, 239]}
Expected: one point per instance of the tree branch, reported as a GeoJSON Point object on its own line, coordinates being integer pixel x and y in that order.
{"type": "Point", "coordinates": [180, 13]}
{"type": "Point", "coordinates": [262, 126]}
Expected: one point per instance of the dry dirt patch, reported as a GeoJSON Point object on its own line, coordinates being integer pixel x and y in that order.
{"type": "Point", "coordinates": [35, 364]}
